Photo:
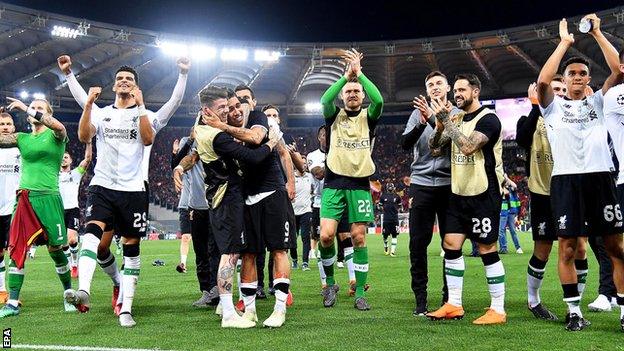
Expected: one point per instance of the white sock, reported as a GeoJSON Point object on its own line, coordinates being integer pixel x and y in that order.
{"type": "Point", "coordinates": [454, 272]}
{"type": "Point", "coordinates": [228, 305]}
{"type": "Point", "coordinates": [495, 274]}
{"type": "Point", "coordinates": [322, 274]}
{"type": "Point", "coordinates": [581, 276]}
{"type": "Point", "coordinates": [239, 264]}
{"type": "Point", "coordinates": [73, 253]}
{"type": "Point", "coordinates": [2, 274]}
{"type": "Point", "coordinates": [32, 251]}
{"type": "Point", "coordinates": [534, 283]}
{"type": "Point", "coordinates": [280, 296]}
{"type": "Point", "coordinates": [183, 259]}
{"type": "Point", "coordinates": [574, 305]}
{"type": "Point", "coordinates": [621, 296]}
{"type": "Point", "coordinates": [18, 271]}
{"type": "Point", "coordinates": [348, 257]}
{"type": "Point", "coordinates": [87, 261]}
{"type": "Point", "coordinates": [110, 267]}
{"type": "Point", "coordinates": [393, 245]}
{"type": "Point", "coordinates": [120, 296]}
{"type": "Point", "coordinates": [249, 300]}
{"type": "Point", "coordinates": [67, 252]}
{"type": "Point", "coordinates": [132, 268]}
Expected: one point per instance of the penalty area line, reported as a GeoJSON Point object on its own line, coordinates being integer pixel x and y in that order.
{"type": "Point", "coordinates": [76, 348]}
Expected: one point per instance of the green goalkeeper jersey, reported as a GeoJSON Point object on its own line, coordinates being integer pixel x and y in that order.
{"type": "Point", "coordinates": [41, 160]}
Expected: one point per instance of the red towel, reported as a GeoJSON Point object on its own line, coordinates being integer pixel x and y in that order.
{"type": "Point", "coordinates": [25, 229]}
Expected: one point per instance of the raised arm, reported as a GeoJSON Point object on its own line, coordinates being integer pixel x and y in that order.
{"type": "Point", "coordinates": [86, 129]}
{"type": "Point", "coordinates": [177, 157]}
{"type": "Point", "coordinates": [46, 119]}
{"type": "Point", "coordinates": [330, 95]}
{"type": "Point", "coordinates": [526, 125]}
{"type": "Point", "coordinates": [88, 156]}
{"type": "Point", "coordinates": [145, 127]}
{"type": "Point", "coordinates": [353, 59]}
{"type": "Point", "coordinates": [545, 93]}
{"type": "Point", "coordinates": [376, 100]}
{"type": "Point", "coordinates": [609, 52]}
{"type": "Point", "coordinates": [163, 115]}
{"type": "Point", "coordinates": [79, 94]}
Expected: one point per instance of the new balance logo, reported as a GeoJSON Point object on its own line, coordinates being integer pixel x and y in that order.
{"type": "Point", "coordinates": [562, 222]}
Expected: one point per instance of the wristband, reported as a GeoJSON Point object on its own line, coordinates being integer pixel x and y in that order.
{"type": "Point", "coordinates": [142, 110]}
{"type": "Point", "coordinates": [34, 114]}
{"type": "Point", "coordinates": [180, 168]}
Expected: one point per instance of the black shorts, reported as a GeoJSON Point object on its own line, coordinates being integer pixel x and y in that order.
{"type": "Point", "coordinates": [185, 221]}
{"type": "Point", "coordinates": [585, 205]}
{"type": "Point", "coordinates": [390, 228]}
{"type": "Point", "coordinates": [72, 218]}
{"type": "Point", "coordinates": [542, 222]}
{"type": "Point", "coordinates": [123, 211]}
{"type": "Point", "coordinates": [343, 225]}
{"type": "Point", "coordinates": [227, 224]}
{"type": "Point", "coordinates": [267, 224]}
{"type": "Point", "coordinates": [5, 227]}
{"type": "Point", "coordinates": [315, 224]}
{"type": "Point", "coordinates": [478, 217]}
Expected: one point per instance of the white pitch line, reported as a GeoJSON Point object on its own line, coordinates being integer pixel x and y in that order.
{"type": "Point", "coordinates": [75, 348]}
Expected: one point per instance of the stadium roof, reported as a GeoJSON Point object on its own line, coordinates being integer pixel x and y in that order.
{"type": "Point", "coordinates": [506, 60]}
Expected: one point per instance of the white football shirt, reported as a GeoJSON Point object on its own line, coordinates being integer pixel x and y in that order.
{"type": "Point", "coordinates": [614, 119]}
{"type": "Point", "coordinates": [316, 158]}
{"type": "Point", "coordinates": [577, 134]}
{"type": "Point", "coordinates": [303, 200]}
{"type": "Point", "coordinates": [69, 185]}
{"type": "Point", "coordinates": [120, 151]}
{"type": "Point", "coordinates": [10, 165]}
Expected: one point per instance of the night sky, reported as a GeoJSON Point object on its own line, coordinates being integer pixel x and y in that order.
{"type": "Point", "coordinates": [316, 21]}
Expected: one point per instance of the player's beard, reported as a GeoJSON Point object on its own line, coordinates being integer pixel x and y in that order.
{"type": "Point", "coordinates": [464, 103]}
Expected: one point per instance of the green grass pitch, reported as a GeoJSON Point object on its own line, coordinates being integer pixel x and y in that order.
{"type": "Point", "coordinates": [166, 320]}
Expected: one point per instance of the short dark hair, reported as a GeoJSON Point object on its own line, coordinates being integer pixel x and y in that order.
{"type": "Point", "coordinates": [241, 87]}
{"type": "Point", "coordinates": [230, 93]}
{"type": "Point", "coordinates": [472, 79]}
{"type": "Point", "coordinates": [575, 59]}
{"type": "Point", "coordinates": [211, 93]}
{"type": "Point", "coordinates": [621, 55]}
{"type": "Point", "coordinates": [5, 115]}
{"type": "Point", "coordinates": [435, 74]}
{"type": "Point", "coordinates": [69, 153]}
{"type": "Point", "coordinates": [266, 107]}
{"type": "Point", "coordinates": [319, 129]}
{"type": "Point", "coordinates": [131, 70]}
{"type": "Point", "coordinates": [558, 78]}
